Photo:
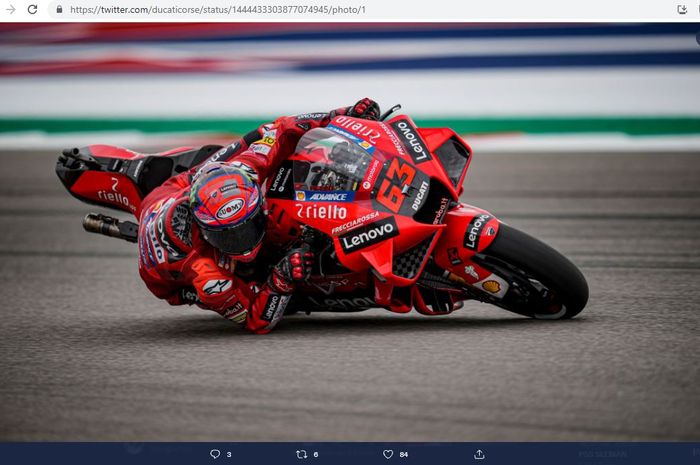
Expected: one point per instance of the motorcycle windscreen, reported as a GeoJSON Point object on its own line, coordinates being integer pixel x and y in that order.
{"type": "Point", "coordinates": [333, 163]}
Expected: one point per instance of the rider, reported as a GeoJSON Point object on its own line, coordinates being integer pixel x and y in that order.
{"type": "Point", "coordinates": [222, 198]}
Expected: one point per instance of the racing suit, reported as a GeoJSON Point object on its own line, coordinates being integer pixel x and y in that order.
{"type": "Point", "coordinates": [176, 263]}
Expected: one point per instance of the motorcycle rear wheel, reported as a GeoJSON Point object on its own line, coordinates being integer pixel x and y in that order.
{"type": "Point", "coordinates": [543, 283]}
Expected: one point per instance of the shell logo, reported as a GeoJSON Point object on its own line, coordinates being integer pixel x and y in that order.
{"type": "Point", "coordinates": [301, 195]}
{"type": "Point", "coordinates": [491, 286]}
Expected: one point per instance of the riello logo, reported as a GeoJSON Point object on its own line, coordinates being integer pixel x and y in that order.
{"type": "Point", "coordinates": [321, 212]}
{"type": "Point", "coordinates": [368, 235]}
{"type": "Point", "coordinates": [115, 196]}
{"type": "Point", "coordinates": [358, 128]}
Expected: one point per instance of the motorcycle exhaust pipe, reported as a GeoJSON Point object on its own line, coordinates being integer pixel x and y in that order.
{"type": "Point", "coordinates": [111, 227]}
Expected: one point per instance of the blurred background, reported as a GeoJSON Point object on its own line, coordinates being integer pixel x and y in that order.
{"type": "Point", "coordinates": [537, 87]}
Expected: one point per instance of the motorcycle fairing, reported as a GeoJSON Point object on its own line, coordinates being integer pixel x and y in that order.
{"type": "Point", "coordinates": [117, 178]}
{"type": "Point", "coordinates": [357, 182]}
{"type": "Point", "coordinates": [470, 230]}
{"type": "Point", "coordinates": [334, 284]}
{"type": "Point", "coordinates": [452, 151]}
{"type": "Point", "coordinates": [356, 301]}
{"type": "Point", "coordinates": [107, 189]}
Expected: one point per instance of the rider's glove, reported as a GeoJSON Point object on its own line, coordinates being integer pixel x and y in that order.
{"type": "Point", "coordinates": [293, 268]}
{"type": "Point", "coordinates": [365, 109]}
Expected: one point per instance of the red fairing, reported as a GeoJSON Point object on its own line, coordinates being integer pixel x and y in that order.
{"type": "Point", "coordinates": [174, 151]}
{"type": "Point", "coordinates": [436, 137]}
{"type": "Point", "coordinates": [374, 225]}
{"type": "Point", "coordinates": [109, 151]}
{"type": "Point", "coordinates": [469, 231]}
{"type": "Point", "coordinates": [111, 188]}
{"type": "Point", "coordinates": [328, 285]}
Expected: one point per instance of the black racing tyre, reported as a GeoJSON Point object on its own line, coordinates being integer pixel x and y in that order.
{"type": "Point", "coordinates": [544, 283]}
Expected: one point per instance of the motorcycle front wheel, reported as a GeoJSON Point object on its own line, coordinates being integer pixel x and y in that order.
{"type": "Point", "coordinates": [543, 283]}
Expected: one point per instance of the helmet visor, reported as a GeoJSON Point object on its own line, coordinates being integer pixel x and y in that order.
{"type": "Point", "coordinates": [240, 238]}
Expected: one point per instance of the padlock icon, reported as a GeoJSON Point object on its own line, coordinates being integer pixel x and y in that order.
{"type": "Point", "coordinates": [59, 9]}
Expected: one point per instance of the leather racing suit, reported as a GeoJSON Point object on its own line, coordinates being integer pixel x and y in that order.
{"type": "Point", "coordinates": [176, 263]}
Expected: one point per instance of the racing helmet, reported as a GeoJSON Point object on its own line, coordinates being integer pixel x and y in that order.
{"type": "Point", "coordinates": [227, 205]}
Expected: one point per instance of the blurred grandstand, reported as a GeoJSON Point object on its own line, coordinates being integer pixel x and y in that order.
{"type": "Point", "coordinates": [517, 86]}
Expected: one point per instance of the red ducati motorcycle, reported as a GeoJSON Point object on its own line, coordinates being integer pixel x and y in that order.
{"type": "Point", "coordinates": [379, 203]}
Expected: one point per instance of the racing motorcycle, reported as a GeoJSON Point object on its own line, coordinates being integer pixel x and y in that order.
{"type": "Point", "coordinates": [378, 201]}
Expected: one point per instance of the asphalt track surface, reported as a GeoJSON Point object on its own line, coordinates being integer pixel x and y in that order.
{"type": "Point", "coordinates": [87, 354]}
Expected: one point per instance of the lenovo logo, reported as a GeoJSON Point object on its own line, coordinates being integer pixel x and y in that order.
{"type": "Point", "coordinates": [368, 235]}
{"type": "Point", "coordinates": [411, 140]}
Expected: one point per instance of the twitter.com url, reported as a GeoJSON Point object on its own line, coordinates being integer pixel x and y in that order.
{"type": "Point", "coordinates": [226, 10]}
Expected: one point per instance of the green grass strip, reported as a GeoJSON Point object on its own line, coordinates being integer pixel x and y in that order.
{"type": "Point", "coordinates": [530, 125]}
{"type": "Point", "coordinates": [637, 126]}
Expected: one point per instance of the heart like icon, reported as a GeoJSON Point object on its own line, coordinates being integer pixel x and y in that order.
{"type": "Point", "coordinates": [388, 454]}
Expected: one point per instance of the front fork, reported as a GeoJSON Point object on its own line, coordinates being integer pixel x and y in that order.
{"type": "Point", "coordinates": [470, 230]}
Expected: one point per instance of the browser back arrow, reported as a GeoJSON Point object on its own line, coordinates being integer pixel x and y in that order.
{"type": "Point", "coordinates": [11, 9]}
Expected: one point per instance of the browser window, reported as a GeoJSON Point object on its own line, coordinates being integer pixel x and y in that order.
{"type": "Point", "coordinates": [342, 232]}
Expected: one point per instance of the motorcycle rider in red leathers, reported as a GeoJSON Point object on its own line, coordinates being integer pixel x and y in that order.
{"type": "Point", "coordinates": [196, 226]}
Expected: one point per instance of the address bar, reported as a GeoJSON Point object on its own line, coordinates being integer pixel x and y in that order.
{"type": "Point", "coordinates": [240, 10]}
{"type": "Point", "coordinates": [352, 11]}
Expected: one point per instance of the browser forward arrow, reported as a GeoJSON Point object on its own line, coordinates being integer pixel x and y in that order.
{"type": "Point", "coordinates": [11, 9]}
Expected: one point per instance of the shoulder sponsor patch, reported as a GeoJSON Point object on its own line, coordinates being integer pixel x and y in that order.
{"type": "Point", "coordinates": [268, 140]}
{"type": "Point", "coordinates": [261, 148]}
